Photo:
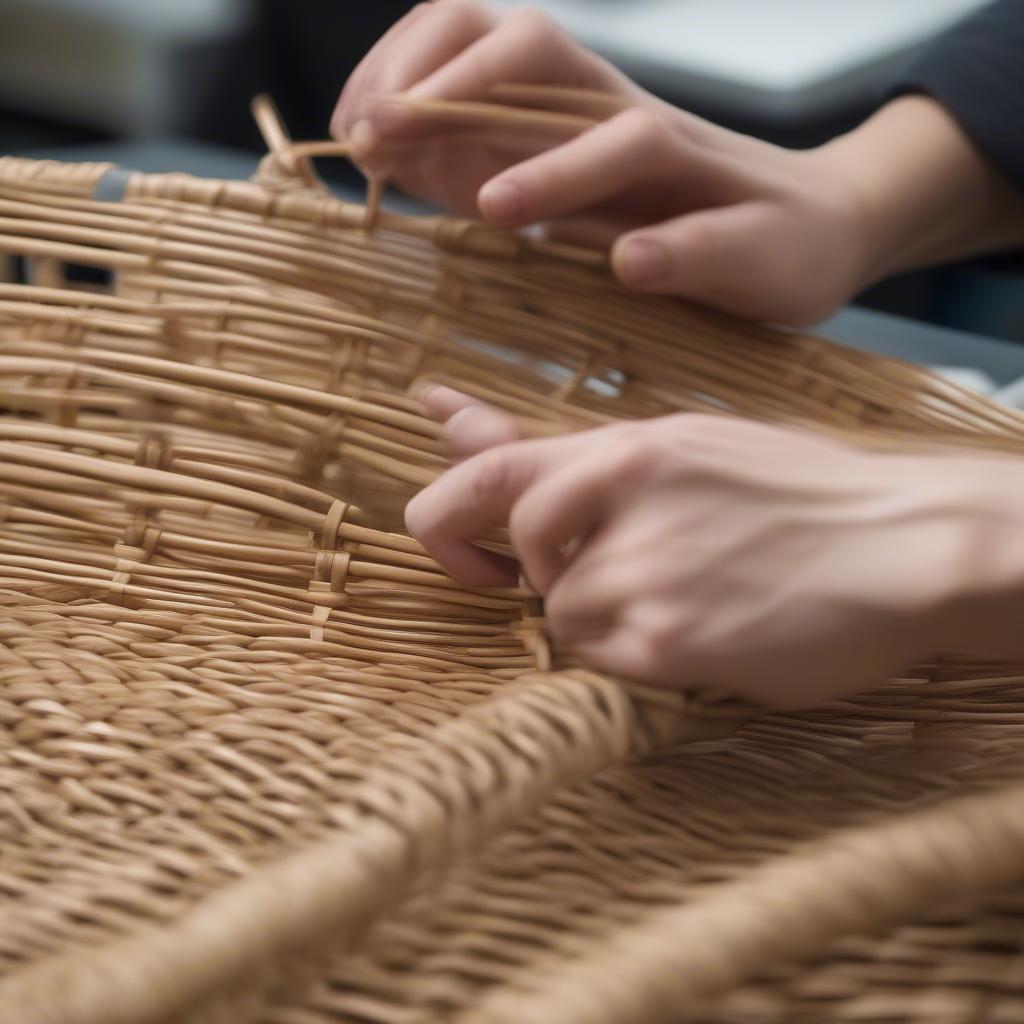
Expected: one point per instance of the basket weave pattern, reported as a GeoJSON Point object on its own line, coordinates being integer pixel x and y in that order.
{"type": "Point", "coordinates": [260, 760]}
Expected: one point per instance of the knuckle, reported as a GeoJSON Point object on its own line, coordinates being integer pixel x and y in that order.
{"type": "Point", "coordinates": [415, 13]}
{"type": "Point", "coordinates": [620, 437]}
{"type": "Point", "coordinates": [712, 447]}
{"type": "Point", "coordinates": [703, 423]}
{"type": "Point", "coordinates": [642, 125]}
{"type": "Point", "coordinates": [648, 134]}
{"type": "Point", "coordinates": [635, 458]}
{"type": "Point", "coordinates": [490, 472]}
{"type": "Point", "coordinates": [703, 433]}
{"type": "Point", "coordinates": [463, 12]}
{"type": "Point", "coordinates": [688, 443]}
{"type": "Point", "coordinates": [535, 29]}
{"type": "Point", "coordinates": [532, 20]}
{"type": "Point", "coordinates": [418, 13]}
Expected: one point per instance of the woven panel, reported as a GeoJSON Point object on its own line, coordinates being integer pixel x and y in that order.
{"type": "Point", "coordinates": [261, 760]}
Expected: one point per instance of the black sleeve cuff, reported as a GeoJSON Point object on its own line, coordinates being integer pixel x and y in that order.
{"type": "Point", "coordinates": [976, 71]}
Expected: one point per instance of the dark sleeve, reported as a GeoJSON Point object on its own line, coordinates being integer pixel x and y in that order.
{"type": "Point", "coordinates": [976, 71]}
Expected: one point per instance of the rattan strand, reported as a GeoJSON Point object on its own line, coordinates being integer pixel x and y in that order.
{"type": "Point", "coordinates": [261, 760]}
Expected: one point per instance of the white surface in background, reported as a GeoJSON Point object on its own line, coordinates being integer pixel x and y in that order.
{"type": "Point", "coordinates": [781, 56]}
{"type": "Point", "coordinates": [967, 377]}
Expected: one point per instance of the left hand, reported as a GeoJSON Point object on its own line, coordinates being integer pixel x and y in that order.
{"type": "Point", "coordinates": [706, 550]}
{"type": "Point", "coordinates": [686, 207]}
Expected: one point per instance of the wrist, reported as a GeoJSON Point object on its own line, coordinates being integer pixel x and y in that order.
{"type": "Point", "coordinates": [978, 605]}
{"type": "Point", "coordinates": [859, 242]}
{"type": "Point", "coordinates": [920, 190]}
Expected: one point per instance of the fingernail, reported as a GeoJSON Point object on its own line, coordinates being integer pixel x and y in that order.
{"type": "Point", "coordinates": [503, 201]}
{"type": "Point", "coordinates": [644, 261]}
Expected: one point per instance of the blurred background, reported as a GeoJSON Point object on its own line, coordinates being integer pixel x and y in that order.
{"type": "Point", "coordinates": [168, 82]}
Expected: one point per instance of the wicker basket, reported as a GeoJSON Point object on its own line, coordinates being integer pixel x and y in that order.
{"type": "Point", "coordinates": [260, 760]}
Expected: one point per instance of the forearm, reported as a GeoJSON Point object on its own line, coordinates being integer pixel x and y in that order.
{"type": "Point", "coordinates": [924, 193]}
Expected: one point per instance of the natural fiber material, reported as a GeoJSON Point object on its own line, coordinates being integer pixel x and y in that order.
{"type": "Point", "coordinates": [260, 760]}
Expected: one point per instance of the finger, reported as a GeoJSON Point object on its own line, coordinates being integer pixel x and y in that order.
{"type": "Point", "coordinates": [594, 613]}
{"type": "Point", "coordinates": [550, 523]}
{"type": "Point", "coordinates": [712, 256]}
{"type": "Point", "coordinates": [441, 402]}
{"type": "Point", "coordinates": [634, 148]}
{"type": "Point", "coordinates": [470, 426]}
{"type": "Point", "coordinates": [447, 170]}
{"type": "Point", "coordinates": [585, 601]}
{"type": "Point", "coordinates": [478, 428]}
{"type": "Point", "coordinates": [342, 117]}
{"type": "Point", "coordinates": [525, 47]}
{"type": "Point", "coordinates": [424, 40]}
{"type": "Point", "coordinates": [475, 497]}
{"type": "Point", "coordinates": [624, 652]}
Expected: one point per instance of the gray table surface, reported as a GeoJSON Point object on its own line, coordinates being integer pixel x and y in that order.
{"type": "Point", "coordinates": [864, 329]}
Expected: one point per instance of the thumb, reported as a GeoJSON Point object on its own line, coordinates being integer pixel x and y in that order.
{"type": "Point", "coordinates": [715, 256]}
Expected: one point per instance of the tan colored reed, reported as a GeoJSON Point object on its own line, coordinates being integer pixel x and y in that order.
{"type": "Point", "coordinates": [261, 760]}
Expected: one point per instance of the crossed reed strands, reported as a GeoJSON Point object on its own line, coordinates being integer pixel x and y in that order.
{"type": "Point", "coordinates": [243, 716]}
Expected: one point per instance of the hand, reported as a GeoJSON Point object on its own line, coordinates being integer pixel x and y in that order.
{"type": "Point", "coordinates": [690, 208]}
{"type": "Point", "coordinates": [459, 50]}
{"type": "Point", "coordinates": [697, 550]}
{"type": "Point", "coordinates": [687, 207]}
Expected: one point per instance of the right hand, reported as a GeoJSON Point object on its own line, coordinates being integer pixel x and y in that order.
{"type": "Point", "coordinates": [687, 208]}
{"type": "Point", "coordinates": [458, 50]}
{"type": "Point", "coordinates": [705, 550]}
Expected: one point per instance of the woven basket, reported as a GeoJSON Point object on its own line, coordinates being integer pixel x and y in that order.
{"type": "Point", "coordinates": [260, 760]}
